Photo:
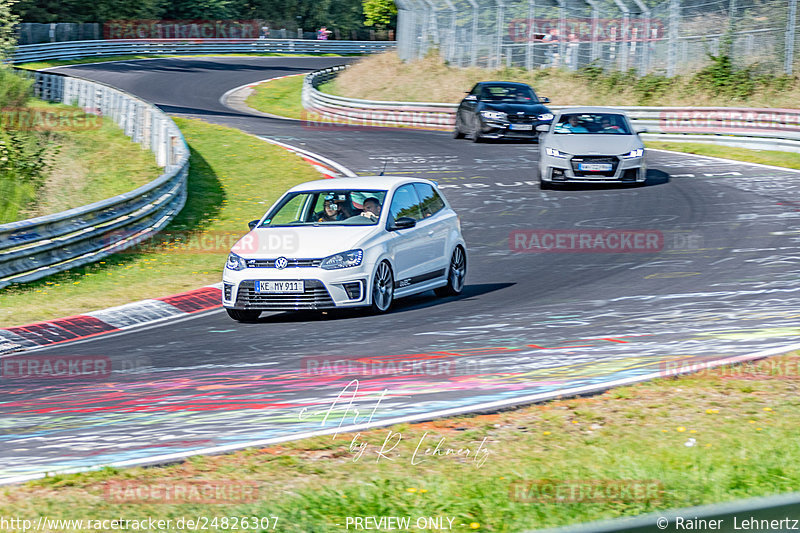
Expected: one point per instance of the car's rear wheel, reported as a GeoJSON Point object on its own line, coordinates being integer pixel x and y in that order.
{"type": "Point", "coordinates": [456, 275]}
{"type": "Point", "coordinates": [241, 315]}
{"type": "Point", "coordinates": [382, 288]}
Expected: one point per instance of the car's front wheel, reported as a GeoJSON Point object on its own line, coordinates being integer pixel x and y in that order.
{"type": "Point", "coordinates": [457, 133]}
{"type": "Point", "coordinates": [476, 131]}
{"type": "Point", "coordinates": [456, 274]}
{"type": "Point", "coordinates": [241, 315]}
{"type": "Point", "coordinates": [382, 288]}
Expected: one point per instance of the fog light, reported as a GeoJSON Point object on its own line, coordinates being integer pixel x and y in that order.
{"type": "Point", "coordinates": [353, 290]}
{"type": "Point", "coordinates": [227, 290]}
{"type": "Point", "coordinates": [558, 174]}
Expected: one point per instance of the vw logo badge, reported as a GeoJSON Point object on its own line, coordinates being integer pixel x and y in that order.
{"type": "Point", "coordinates": [281, 263]}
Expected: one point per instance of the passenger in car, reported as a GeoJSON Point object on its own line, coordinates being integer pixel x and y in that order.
{"type": "Point", "coordinates": [330, 212]}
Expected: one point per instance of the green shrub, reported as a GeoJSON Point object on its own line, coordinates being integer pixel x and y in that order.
{"type": "Point", "coordinates": [14, 89]}
{"type": "Point", "coordinates": [24, 159]}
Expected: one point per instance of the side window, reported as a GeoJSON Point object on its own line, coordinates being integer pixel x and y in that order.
{"type": "Point", "coordinates": [476, 91]}
{"type": "Point", "coordinates": [405, 203]}
{"type": "Point", "coordinates": [430, 201]}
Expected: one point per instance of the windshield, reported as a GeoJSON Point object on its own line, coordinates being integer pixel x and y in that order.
{"type": "Point", "coordinates": [508, 93]}
{"type": "Point", "coordinates": [328, 208]}
{"type": "Point", "coordinates": [593, 123]}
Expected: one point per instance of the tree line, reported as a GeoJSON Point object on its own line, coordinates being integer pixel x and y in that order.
{"type": "Point", "coordinates": [344, 15]}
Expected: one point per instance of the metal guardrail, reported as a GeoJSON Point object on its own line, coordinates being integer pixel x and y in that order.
{"type": "Point", "coordinates": [775, 129]}
{"type": "Point", "coordinates": [83, 49]}
{"type": "Point", "coordinates": [34, 248]}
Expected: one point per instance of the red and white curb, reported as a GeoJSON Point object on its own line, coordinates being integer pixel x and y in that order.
{"type": "Point", "coordinates": [114, 319]}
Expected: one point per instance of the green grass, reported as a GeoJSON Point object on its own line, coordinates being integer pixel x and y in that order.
{"type": "Point", "coordinates": [233, 178]}
{"type": "Point", "coordinates": [763, 157]}
{"type": "Point", "coordinates": [279, 97]}
{"type": "Point", "coordinates": [79, 173]}
{"type": "Point", "coordinates": [743, 422]}
{"type": "Point", "coordinates": [39, 65]}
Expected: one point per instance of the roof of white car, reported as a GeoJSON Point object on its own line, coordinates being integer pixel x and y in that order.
{"type": "Point", "coordinates": [361, 182]}
{"type": "Point", "coordinates": [591, 109]}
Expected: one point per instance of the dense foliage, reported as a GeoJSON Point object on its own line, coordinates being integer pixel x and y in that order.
{"type": "Point", "coordinates": [343, 15]}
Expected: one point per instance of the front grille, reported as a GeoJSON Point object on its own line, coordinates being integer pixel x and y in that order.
{"type": "Point", "coordinates": [578, 159]}
{"type": "Point", "coordinates": [292, 263]}
{"type": "Point", "coordinates": [522, 119]}
{"type": "Point", "coordinates": [315, 296]}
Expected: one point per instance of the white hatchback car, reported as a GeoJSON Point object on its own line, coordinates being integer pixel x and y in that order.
{"type": "Point", "coordinates": [346, 242]}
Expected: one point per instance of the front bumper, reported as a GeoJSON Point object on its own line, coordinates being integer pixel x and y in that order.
{"type": "Point", "coordinates": [502, 129]}
{"type": "Point", "coordinates": [568, 169]}
{"type": "Point", "coordinates": [323, 289]}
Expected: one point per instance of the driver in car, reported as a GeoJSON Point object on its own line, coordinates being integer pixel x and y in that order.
{"type": "Point", "coordinates": [372, 208]}
{"type": "Point", "coordinates": [574, 125]}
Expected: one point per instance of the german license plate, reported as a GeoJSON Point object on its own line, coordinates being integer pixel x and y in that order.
{"type": "Point", "coordinates": [279, 287]}
{"type": "Point", "coordinates": [527, 127]}
{"type": "Point", "coordinates": [596, 167]}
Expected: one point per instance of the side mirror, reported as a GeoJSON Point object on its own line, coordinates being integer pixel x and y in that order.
{"type": "Point", "coordinates": [253, 223]}
{"type": "Point", "coordinates": [543, 128]}
{"type": "Point", "coordinates": [403, 223]}
{"type": "Point", "coordinates": [640, 130]}
{"type": "Point", "coordinates": [544, 100]}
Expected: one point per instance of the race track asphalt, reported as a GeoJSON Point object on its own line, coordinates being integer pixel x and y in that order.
{"type": "Point", "coordinates": [725, 281]}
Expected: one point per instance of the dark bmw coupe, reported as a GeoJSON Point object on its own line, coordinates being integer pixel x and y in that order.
{"type": "Point", "coordinates": [501, 109]}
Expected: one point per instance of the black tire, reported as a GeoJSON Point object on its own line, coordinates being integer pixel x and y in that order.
{"type": "Point", "coordinates": [456, 274]}
{"type": "Point", "coordinates": [476, 130]}
{"type": "Point", "coordinates": [241, 315]}
{"type": "Point", "coordinates": [457, 133]}
{"type": "Point", "coordinates": [382, 288]}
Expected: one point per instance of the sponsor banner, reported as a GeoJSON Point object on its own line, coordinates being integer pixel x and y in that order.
{"type": "Point", "coordinates": [586, 241]}
{"type": "Point", "coordinates": [32, 119]}
{"type": "Point", "coordinates": [585, 490]}
{"type": "Point", "coordinates": [181, 29]}
{"type": "Point", "coordinates": [729, 120]}
{"type": "Point", "coordinates": [582, 29]}
{"type": "Point", "coordinates": [55, 367]}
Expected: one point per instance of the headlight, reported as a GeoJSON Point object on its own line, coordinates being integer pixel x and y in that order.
{"type": "Point", "coordinates": [554, 153]}
{"type": "Point", "coordinates": [494, 115]}
{"type": "Point", "coordinates": [351, 258]}
{"type": "Point", "coordinates": [634, 153]}
{"type": "Point", "coordinates": [546, 116]}
{"type": "Point", "coordinates": [235, 262]}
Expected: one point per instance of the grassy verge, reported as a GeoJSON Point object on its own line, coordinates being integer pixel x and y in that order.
{"type": "Point", "coordinates": [763, 157]}
{"type": "Point", "coordinates": [279, 97]}
{"type": "Point", "coordinates": [39, 65]}
{"type": "Point", "coordinates": [719, 435]}
{"type": "Point", "coordinates": [79, 172]}
{"type": "Point", "coordinates": [385, 77]}
{"type": "Point", "coordinates": [233, 178]}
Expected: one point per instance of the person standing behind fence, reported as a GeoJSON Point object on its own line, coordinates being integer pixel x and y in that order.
{"type": "Point", "coordinates": [572, 52]}
{"type": "Point", "coordinates": [551, 39]}
{"type": "Point", "coordinates": [323, 33]}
